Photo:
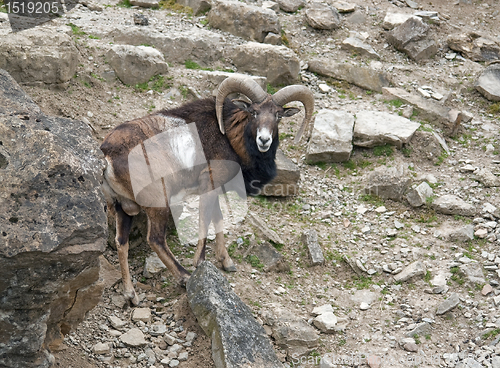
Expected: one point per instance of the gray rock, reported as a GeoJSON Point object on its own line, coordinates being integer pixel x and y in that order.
{"type": "Point", "coordinates": [469, 363]}
{"type": "Point", "coordinates": [411, 37]}
{"type": "Point", "coordinates": [133, 338]}
{"type": "Point", "coordinates": [273, 39]}
{"type": "Point", "coordinates": [198, 6]}
{"type": "Point", "coordinates": [322, 309]}
{"type": "Point", "coordinates": [411, 347]}
{"type": "Point", "coordinates": [290, 332]}
{"type": "Point", "coordinates": [418, 196]}
{"type": "Point", "coordinates": [141, 19]}
{"type": "Point", "coordinates": [376, 128]}
{"type": "Point", "coordinates": [392, 20]}
{"type": "Point", "coordinates": [247, 21]}
{"type": "Point", "coordinates": [198, 45]}
{"type": "Point", "coordinates": [473, 272]}
{"type": "Point", "coordinates": [421, 329]}
{"type": "Point", "coordinates": [286, 182]}
{"type": "Point", "coordinates": [322, 16]}
{"type": "Point", "coordinates": [487, 178]}
{"type": "Point", "coordinates": [344, 7]}
{"type": "Point", "coordinates": [450, 204]}
{"type": "Point", "coordinates": [136, 64]}
{"type": "Point", "coordinates": [101, 348]}
{"type": "Point", "coordinates": [271, 258]}
{"type": "Point", "coordinates": [360, 76]}
{"type": "Point", "coordinates": [237, 338]}
{"type": "Point", "coordinates": [53, 226]}
{"type": "Point", "coordinates": [488, 83]}
{"type": "Point", "coordinates": [331, 139]}
{"type": "Point", "coordinates": [146, 3]}
{"type": "Point", "coordinates": [291, 6]}
{"type": "Point", "coordinates": [429, 110]}
{"type": "Point", "coordinates": [456, 233]}
{"type": "Point", "coordinates": [141, 314]}
{"type": "Point", "coordinates": [474, 46]}
{"type": "Point", "coordinates": [449, 304]}
{"type": "Point", "coordinates": [36, 57]}
{"type": "Point", "coordinates": [116, 322]}
{"type": "Point", "coordinates": [414, 269]}
{"type": "Point", "coordinates": [263, 229]}
{"type": "Point", "coordinates": [310, 240]}
{"type": "Point", "coordinates": [279, 64]}
{"type": "Point", "coordinates": [363, 296]}
{"type": "Point", "coordinates": [389, 183]}
{"type": "Point", "coordinates": [356, 45]}
{"type": "Point", "coordinates": [153, 265]}
{"type": "Point", "coordinates": [157, 329]}
{"type": "Point", "coordinates": [326, 322]}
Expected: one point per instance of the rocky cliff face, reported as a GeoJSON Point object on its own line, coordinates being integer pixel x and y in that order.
{"type": "Point", "coordinates": [52, 227]}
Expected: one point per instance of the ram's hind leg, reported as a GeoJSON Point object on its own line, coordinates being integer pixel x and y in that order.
{"type": "Point", "coordinates": [157, 224]}
{"type": "Point", "coordinates": [123, 226]}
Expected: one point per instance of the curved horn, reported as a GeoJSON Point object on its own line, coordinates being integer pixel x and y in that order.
{"type": "Point", "coordinates": [297, 93]}
{"type": "Point", "coordinates": [243, 85]}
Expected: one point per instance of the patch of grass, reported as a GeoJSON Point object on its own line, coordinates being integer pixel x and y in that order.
{"type": "Point", "coordinates": [362, 282]}
{"type": "Point", "coordinates": [491, 334]}
{"type": "Point", "coordinates": [373, 199]}
{"type": "Point", "coordinates": [184, 91]}
{"type": "Point", "coordinates": [443, 156]}
{"type": "Point", "coordinates": [124, 4]}
{"type": "Point", "coordinates": [428, 276]}
{"type": "Point", "coordinates": [173, 6]}
{"type": "Point", "coordinates": [456, 275]}
{"type": "Point", "coordinates": [397, 103]}
{"type": "Point", "coordinates": [75, 30]}
{"type": "Point", "coordinates": [284, 39]}
{"type": "Point", "coordinates": [406, 151]}
{"type": "Point", "coordinates": [190, 64]}
{"type": "Point", "coordinates": [333, 255]}
{"type": "Point", "coordinates": [351, 165]}
{"type": "Point", "coordinates": [255, 262]}
{"type": "Point", "coordinates": [271, 90]}
{"type": "Point", "coordinates": [385, 150]}
{"type": "Point", "coordinates": [3, 9]}
{"type": "Point", "coordinates": [494, 108]}
{"type": "Point", "coordinates": [94, 37]}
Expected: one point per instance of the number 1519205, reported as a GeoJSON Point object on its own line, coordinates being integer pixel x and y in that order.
{"type": "Point", "coordinates": [32, 7]}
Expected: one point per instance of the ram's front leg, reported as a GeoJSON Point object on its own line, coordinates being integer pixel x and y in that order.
{"type": "Point", "coordinates": [220, 247]}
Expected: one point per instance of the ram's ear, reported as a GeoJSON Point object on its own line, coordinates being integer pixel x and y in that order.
{"type": "Point", "coordinates": [243, 105]}
{"type": "Point", "coordinates": [289, 111]}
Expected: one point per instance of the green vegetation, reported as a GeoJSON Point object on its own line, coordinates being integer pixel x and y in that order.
{"type": "Point", "coordinates": [385, 150]}
{"type": "Point", "coordinates": [491, 334]}
{"type": "Point", "coordinates": [94, 37]}
{"type": "Point", "coordinates": [441, 158]}
{"type": "Point", "coordinates": [190, 64]}
{"type": "Point", "coordinates": [172, 5]}
{"type": "Point", "coordinates": [373, 199]}
{"type": "Point", "coordinates": [76, 30]}
{"type": "Point", "coordinates": [3, 9]}
{"type": "Point", "coordinates": [184, 91]}
{"type": "Point", "coordinates": [271, 90]}
{"type": "Point", "coordinates": [284, 39]}
{"type": "Point", "coordinates": [428, 276]}
{"type": "Point", "coordinates": [494, 108]}
{"type": "Point", "coordinates": [255, 262]}
{"type": "Point", "coordinates": [124, 4]}
{"type": "Point", "coordinates": [456, 275]}
{"type": "Point", "coordinates": [397, 103]}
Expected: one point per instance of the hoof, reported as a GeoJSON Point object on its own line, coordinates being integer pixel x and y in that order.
{"type": "Point", "coordinates": [231, 268]}
{"type": "Point", "coordinates": [132, 298]}
{"type": "Point", "coordinates": [183, 280]}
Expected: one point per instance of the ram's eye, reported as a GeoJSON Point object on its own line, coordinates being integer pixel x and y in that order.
{"type": "Point", "coordinates": [254, 115]}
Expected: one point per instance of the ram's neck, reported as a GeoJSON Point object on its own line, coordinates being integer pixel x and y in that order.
{"type": "Point", "coordinates": [235, 131]}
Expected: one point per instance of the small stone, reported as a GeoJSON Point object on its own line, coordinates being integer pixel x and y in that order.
{"type": "Point", "coordinates": [364, 306]}
{"type": "Point", "coordinates": [325, 88]}
{"type": "Point", "coordinates": [322, 309]}
{"type": "Point", "coordinates": [481, 233]}
{"type": "Point", "coordinates": [101, 348]}
{"type": "Point", "coordinates": [183, 356]}
{"type": "Point", "coordinates": [190, 336]}
{"type": "Point", "coordinates": [141, 314]}
{"type": "Point", "coordinates": [116, 322]}
{"type": "Point", "coordinates": [157, 329]}
{"type": "Point", "coordinates": [448, 304]}
{"type": "Point", "coordinates": [173, 363]}
{"type": "Point", "coordinates": [411, 347]}
{"type": "Point", "coordinates": [169, 339]}
{"type": "Point", "coordinates": [133, 338]}
{"type": "Point", "coordinates": [326, 322]}
{"type": "Point", "coordinates": [486, 289]}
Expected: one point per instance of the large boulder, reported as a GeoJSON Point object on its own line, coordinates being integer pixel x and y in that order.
{"type": "Point", "coordinates": [198, 45]}
{"type": "Point", "coordinates": [53, 227]}
{"type": "Point", "coordinates": [247, 21]}
{"type": "Point", "coordinates": [198, 6]}
{"type": "Point", "coordinates": [376, 128]}
{"type": "Point", "coordinates": [322, 16]}
{"type": "Point", "coordinates": [360, 76]}
{"type": "Point", "coordinates": [238, 340]}
{"type": "Point", "coordinates": [388, 183]}
{"type": "Point", "coordinates": [291, 6]}
{"type": "Point", "coordinates": [488, 83]}
{"type": "Point", "coordinates": [331, 139]}
{"type": "Point", "coordinates": [412, 37]}
{"type": "Point", "coordinates": [39, 56]}
{"type": "Point", "coordinates": [278, 64]}
{"type": "Point", "coordinates": [286, 182]}
{"type": "Point", "coordinates": [136, 64]}
{"type": "Point", "coordinates": [474, 46]}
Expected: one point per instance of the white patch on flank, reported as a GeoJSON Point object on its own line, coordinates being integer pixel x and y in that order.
{"type": "Point", "coordinates": [264, 139]}
{"type": "Point", "coordinates": [183, 146]}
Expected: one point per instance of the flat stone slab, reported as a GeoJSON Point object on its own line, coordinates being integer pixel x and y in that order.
{"type": "Point", "coordinates": [392, 20]}
{"type": "Point", "coordinates": [450, 303]}
{"type": "Point", "coordinates": [356, 45]}
{"type": "Point", "coordinates": [488, 83]}
{"type": "Point", "coordinates": [360, 76]}
{"type": "Point", "coordinates": [326, 322]}
{"type": "Point", "coordinates": [331, 138]}
{"type": "Point", "coordinates": [418, 196]}
{"type": "Point", "coordinates": [238, 340]}
{"type": "Point", "coordinates": [134, 338]}
{"type": "Point", "coordinates": [375, 128]}
{"type": "Point", "coordinates": [437, 114]}
{"type": "Point", "coordinates": [387, 182]}
{"type": "Point", "coordinates": [412, 270]}
{"type": "Point", "coordinates": [271, 258]}
{"type": "Point", "coordinates": [450, 204]}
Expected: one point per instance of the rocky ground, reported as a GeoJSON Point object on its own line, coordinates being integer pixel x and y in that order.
{"type": "Point", "coordinates": [404, 283]}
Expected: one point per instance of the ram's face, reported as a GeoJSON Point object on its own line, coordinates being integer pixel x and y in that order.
{"type": "Point", "coordinates": [264, 119]}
